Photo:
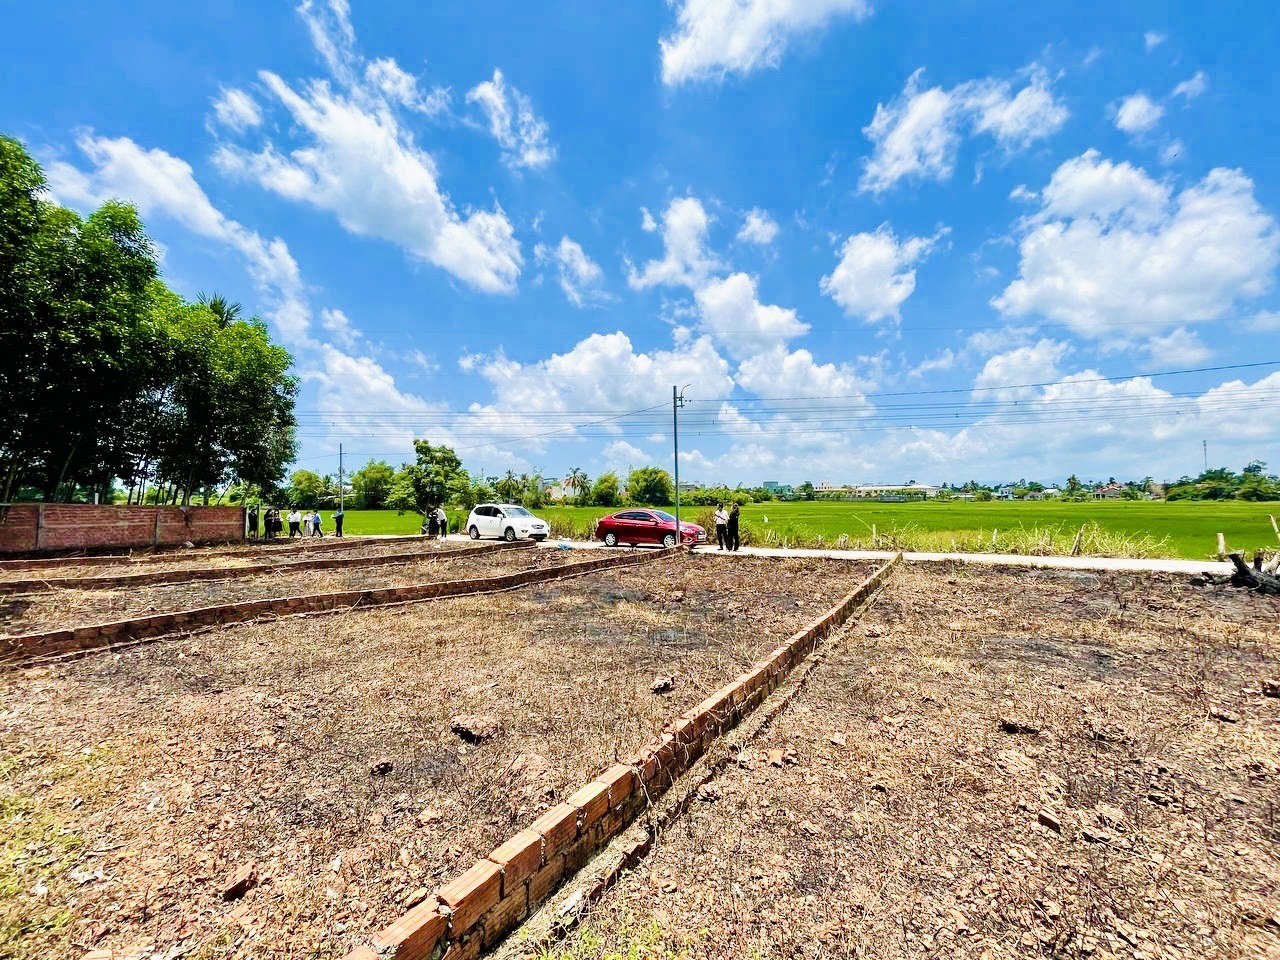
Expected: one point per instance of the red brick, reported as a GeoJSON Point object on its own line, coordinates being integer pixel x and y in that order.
{"type": "Point", "coordinates": [519, 859]}
{"type": "Point", "coordinates": [415, 935]}
{"type": "Point", "coordinates": [558, 827]}
{"type": "Point", "coordinates": [471, 894]}
{"type": "Point", "coordinates": [542, 883]}
{"type": "Point", "coordinates": [620, 779]}
{"type": "Point", "coordinates": [592, 802]}
{"type": "Point", "coordinates": [504, 917]}
{"type": "Point", "coordinates": [468, 948]}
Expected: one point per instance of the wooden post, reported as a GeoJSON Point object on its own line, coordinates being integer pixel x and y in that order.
{"type": "Point", "coordinates": [994, 531]}
{"type": "Point", "coordinates": [1222, 547]}
{"type": "Point", "coordinates": [39, 526]}
{"type": "Point", "coordinates": [874, 539]}
{"type": "Point", "coordinates": [1274, 526]}
{"type": "Point", "coordinates": [1079, 542]}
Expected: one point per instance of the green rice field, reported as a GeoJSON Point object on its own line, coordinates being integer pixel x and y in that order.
{"type": "Point", "coordinates": [1184, 529]}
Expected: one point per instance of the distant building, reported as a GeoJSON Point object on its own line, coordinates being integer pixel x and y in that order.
{"type": "Point", "coordinates": [779, 489]}
{"type": "Point", "coordinates": [1110, 491]}
{"type": "Point", "coordinates": [887, 491]}
{"type": "Point", "coordinates": [688, 486]}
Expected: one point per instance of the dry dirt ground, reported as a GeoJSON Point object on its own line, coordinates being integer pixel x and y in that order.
{"type": "Point", "coordinates": [60, 608]}
{"type": "Point", "coordinates": [992, 764]}
{"type": "Point", "coordinates": [229, 558]}
{"type": "Point", "coordinates": [134, 784]}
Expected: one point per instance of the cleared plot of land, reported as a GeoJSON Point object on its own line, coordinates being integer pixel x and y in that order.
{"type": "Point", "coordinates": [321, 750]}
{"type": "Point", "coordinates": [993, 765]}
{"type": "Point", "coordinates": [63, 608]}
{"type": "Point", "coordinates": [225, 558]}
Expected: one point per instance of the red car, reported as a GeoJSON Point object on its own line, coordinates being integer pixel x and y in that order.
{"type": "Point", "coordinates": [647, 526]}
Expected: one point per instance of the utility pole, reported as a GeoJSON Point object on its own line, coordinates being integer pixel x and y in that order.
{"type": "Point", "coordinates": [677, 401]}
{"type": "Point", "coordinates": [1205, 444]}
{"type": "Point", "coordinates": [341, 486]}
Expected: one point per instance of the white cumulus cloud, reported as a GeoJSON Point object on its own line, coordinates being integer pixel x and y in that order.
{"type": "Point", "coordinates": [758, 228]}
{"type": "Point", "coordinates": [1193, 86]}
{"type": "Point", "coordinates": [355, 158]}
{"type": "Point", "coordinates": [580, 276]}
{"type": "Point", "coordinates": [916, 136]}
{"type": "Point", "coordinates": [730, 310]}
{"type": "Point", "coordinates": [1138, 113]}
{"type": "Point", "coordinates": [686, 261]}
{"type": "Point", "coordinates": [524, 137]}
{"type": "Point", "coordinates": [876, 273]}
{"type": "Point", "coordinates": [1112, 246]}
{"type": "Point", "coordinates": [714, 38]}
{"type": "Point", "coordinates": [236, 110]}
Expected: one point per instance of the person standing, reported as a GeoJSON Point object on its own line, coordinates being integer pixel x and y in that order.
{"type": "Point", "coordinates": [442, 522]}
{"type": "Point", "coordinates": [295, 523]}
{"type": "Point", "coordinates": [433, 524]}
{"type": "Point", "coordinates": [722, 525]}
{"type": "Point", "coordinates": [734, 542]}
{"type": "Point", "coordinates": [253, 523]}
{"type": "Point", "coordinates": [337, 522]}
{"type": "Point", "coordinates": [317, 524]}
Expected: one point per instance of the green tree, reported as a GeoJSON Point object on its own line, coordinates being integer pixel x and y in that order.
{"type": "Point", "coordinates": [306, 489]}
{"type": "Point", "coordinates": [532, 494]}
{"type": "Point", "coordinates": [578, 481]}
{"type": "Point", "coordinates": [650, 486]}
{"type": "Point", "coordinates": [805, 490]}
{"type": "Point", "coordinates": [371, 484]}
{"type": "Point", "coordinates": [605, 491]}
{"type": "Point", "coordinates": [1074, 486]}
{"type": "Point", "coordinates": [105, 373]}
{"type": "Point", "coordinates": [509, 487]}
{"type": "Point", "coordinates": [430, 482]}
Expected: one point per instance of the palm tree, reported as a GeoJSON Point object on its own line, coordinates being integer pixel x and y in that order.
{"type": "Point", "coordinates": [227, 311]}
{"type": "Point", "coordinates": [578, 481]}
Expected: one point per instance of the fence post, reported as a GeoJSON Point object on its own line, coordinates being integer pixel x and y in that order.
{"type": "Point", "coordinates": [39, 525]}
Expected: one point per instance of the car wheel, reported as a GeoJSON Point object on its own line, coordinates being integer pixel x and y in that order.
{"type": "Point", "coordinates": [610, 539]}
{"type": "Point", "coordinates": [474, 532]}
{"type": "Point", "coordinates": [669, 540]}
{"type": "Point", "coordinates": [510, 535]}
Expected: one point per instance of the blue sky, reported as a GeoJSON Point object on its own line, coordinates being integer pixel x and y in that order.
{"type": "Point", "coordinates": [857, 230]}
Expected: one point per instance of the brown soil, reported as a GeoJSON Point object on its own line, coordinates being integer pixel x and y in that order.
{"type": "Point", "coordinates": [993, 764]}
{"type": "Point", "coordinates": [140, 781]}
{"type": "Point", "coordinates": [231, 558]}
{"type": "Point", "coordinates": [62, 608]}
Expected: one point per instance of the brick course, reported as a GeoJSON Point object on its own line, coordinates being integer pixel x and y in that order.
{"type": "Point", "coordinates": [35, 527]}
{"type": "Point", "coordinates": [232, 573]}
{"type": "Point", "coordinates": [572, 832]}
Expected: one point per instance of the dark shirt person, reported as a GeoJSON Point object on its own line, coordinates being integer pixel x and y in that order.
{"type": "Point", "coordinates": [734, 541]}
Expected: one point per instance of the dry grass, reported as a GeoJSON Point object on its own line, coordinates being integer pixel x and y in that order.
{"type": "Point", "coordinates": [920, 835]}
{"type": "Point", "coordinates": [228, 558]}
{"type": "Point", "coordinates": [257, 742]}
{"type": "Point", "coordinates": [61, 608]}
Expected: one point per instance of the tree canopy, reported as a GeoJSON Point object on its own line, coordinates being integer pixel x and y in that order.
{"type": "Point", "coordinates": [106, 374]}
{"type": "Point", "coordinates": [650, 486]}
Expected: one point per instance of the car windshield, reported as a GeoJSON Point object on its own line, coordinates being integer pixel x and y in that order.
{"type": "Point", "coordinates": [663, 515]}
{"type": "Point", "coordinates": [516, 512]}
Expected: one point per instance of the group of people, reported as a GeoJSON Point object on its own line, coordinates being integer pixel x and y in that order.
{"type": "Point", "coordinates": [727, 527]}
{"type": "Point", "coordinates": [436, 523]}
{"type": "Point", "coordinates": [300, 525]}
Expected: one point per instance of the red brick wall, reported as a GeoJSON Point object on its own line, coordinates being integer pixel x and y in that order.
{"type": "Point", "coordinates": [29, 527]}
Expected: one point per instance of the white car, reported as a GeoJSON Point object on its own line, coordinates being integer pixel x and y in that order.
{"type": "Point", "coordinates": [506, 521]}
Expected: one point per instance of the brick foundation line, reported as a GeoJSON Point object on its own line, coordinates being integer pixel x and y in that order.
{"type": "Point", "coordinates": [236, 573]}
{"type": "Point", "coordinates": [17, 650]}
{"type": "Point", "coordinates": [476, 910]}
{"type": "Point", "coordinates": [59, 527]}
{"type": "Point", "coordinates": [165, 554]}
